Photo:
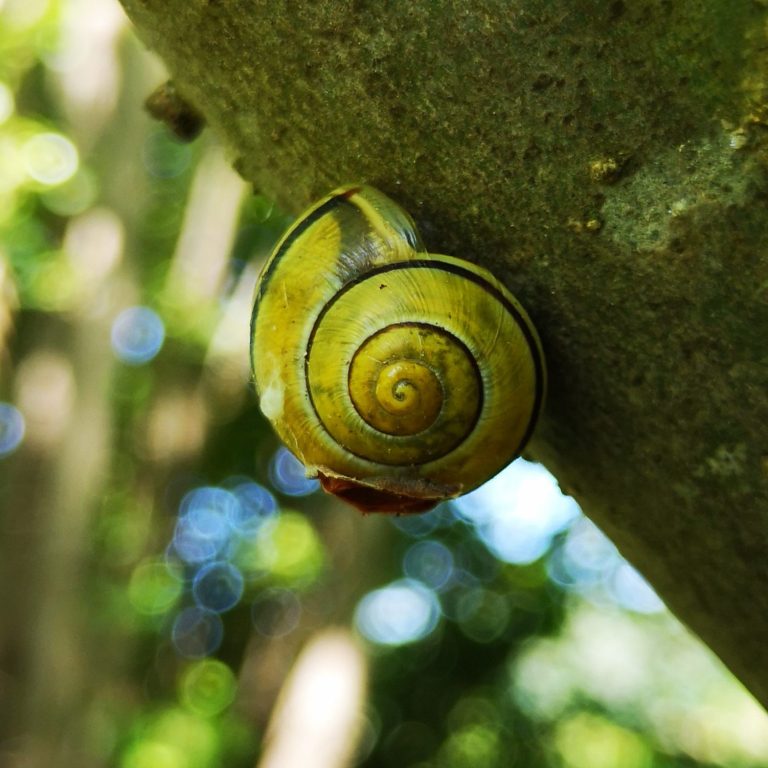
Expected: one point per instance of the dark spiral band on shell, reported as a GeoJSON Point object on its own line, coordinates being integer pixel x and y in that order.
{"type": "Point", "coordinates": [465, 274]}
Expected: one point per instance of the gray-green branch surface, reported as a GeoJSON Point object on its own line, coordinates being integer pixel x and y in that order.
{"type": "Point", "coordinates": [609, 161]}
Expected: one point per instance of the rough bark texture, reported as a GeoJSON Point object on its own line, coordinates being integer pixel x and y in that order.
{"type": "Point", "coordinates": [608, 160]}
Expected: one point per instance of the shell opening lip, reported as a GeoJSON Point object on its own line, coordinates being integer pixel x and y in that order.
{"type": "Point", "coordinates": [369, 499]}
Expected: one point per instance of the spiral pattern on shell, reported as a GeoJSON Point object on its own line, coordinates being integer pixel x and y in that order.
{"type": "Point", "coordinates": [399, 377]}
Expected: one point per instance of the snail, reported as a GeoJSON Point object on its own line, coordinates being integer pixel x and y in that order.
{"type": "Point", "coordinates": [400, 378]}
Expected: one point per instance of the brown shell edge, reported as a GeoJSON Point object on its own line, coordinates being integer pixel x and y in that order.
{"type": "Point", "coordinates": [394, 496]}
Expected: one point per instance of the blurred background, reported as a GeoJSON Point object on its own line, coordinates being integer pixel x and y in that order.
{"type": "Point", "coordinates": [174, 593]}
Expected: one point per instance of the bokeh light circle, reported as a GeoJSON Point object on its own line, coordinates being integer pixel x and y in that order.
{"type": "Point", "coordinates": [482, 614]}
{"type": "Point", "coordinates": [255, 506]}
{"type": "Point", "coordinates": [207, 687]}
{"type": "Point", "coordinates": [168, 735]}
{"type": "Point", "coordinates": [50, 158]}
{"type": "Point", "coordinates": [589, 556]}
{"type": "Point", "coordinates": [210, 498]}
{"type": "Point", "coordinates": [288, 475]}
{"type": "Point", "coordinates": [518, 512]}
{"type": "Point", "coordinates": [218, 586]}
{"type": "Point", "coordinates": [194, 542]}
{"type": "Point", "coordinates": [204, 527]}
{"type": "Point", "coordinates": [197, 632]}
{"type": "Point", "coordinates": [402, 612]}
{"type": "Point", "coordinates": [276, 612]}
{"type": "Point", "coordinates": [633, 592]}
{"type": "Point", "coordinates": [430, 562]}
{"type": "Point", "coordinates": [137, 335]}
{"type": "Point", "coordinates": [154, 587]}
{"type": "Point", "coordinates": [288, 548]}
{"type": "Point", "coordinates": [165, 157]}
{"type": "Point", "coordinates": [12, 428]}
{"type": "Point", "coordinates": [419, 526]}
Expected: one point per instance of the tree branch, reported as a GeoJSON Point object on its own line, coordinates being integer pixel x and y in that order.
{"type": "Point", "coordinates": [608, 161]}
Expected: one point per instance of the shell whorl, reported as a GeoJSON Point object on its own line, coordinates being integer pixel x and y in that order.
{"type": "Point", "coordinates": [400, 377]}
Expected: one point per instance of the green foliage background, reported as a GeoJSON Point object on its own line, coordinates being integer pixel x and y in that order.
{"type": "Point", "coordinates": [102, 209]}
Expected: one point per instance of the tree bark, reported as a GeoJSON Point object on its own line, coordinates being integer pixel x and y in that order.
{"type": "Point", "coordinates": [608, 161]}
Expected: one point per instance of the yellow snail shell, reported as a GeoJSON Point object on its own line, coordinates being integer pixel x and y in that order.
{"type": "Point", "coordinates": [400, 378]}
